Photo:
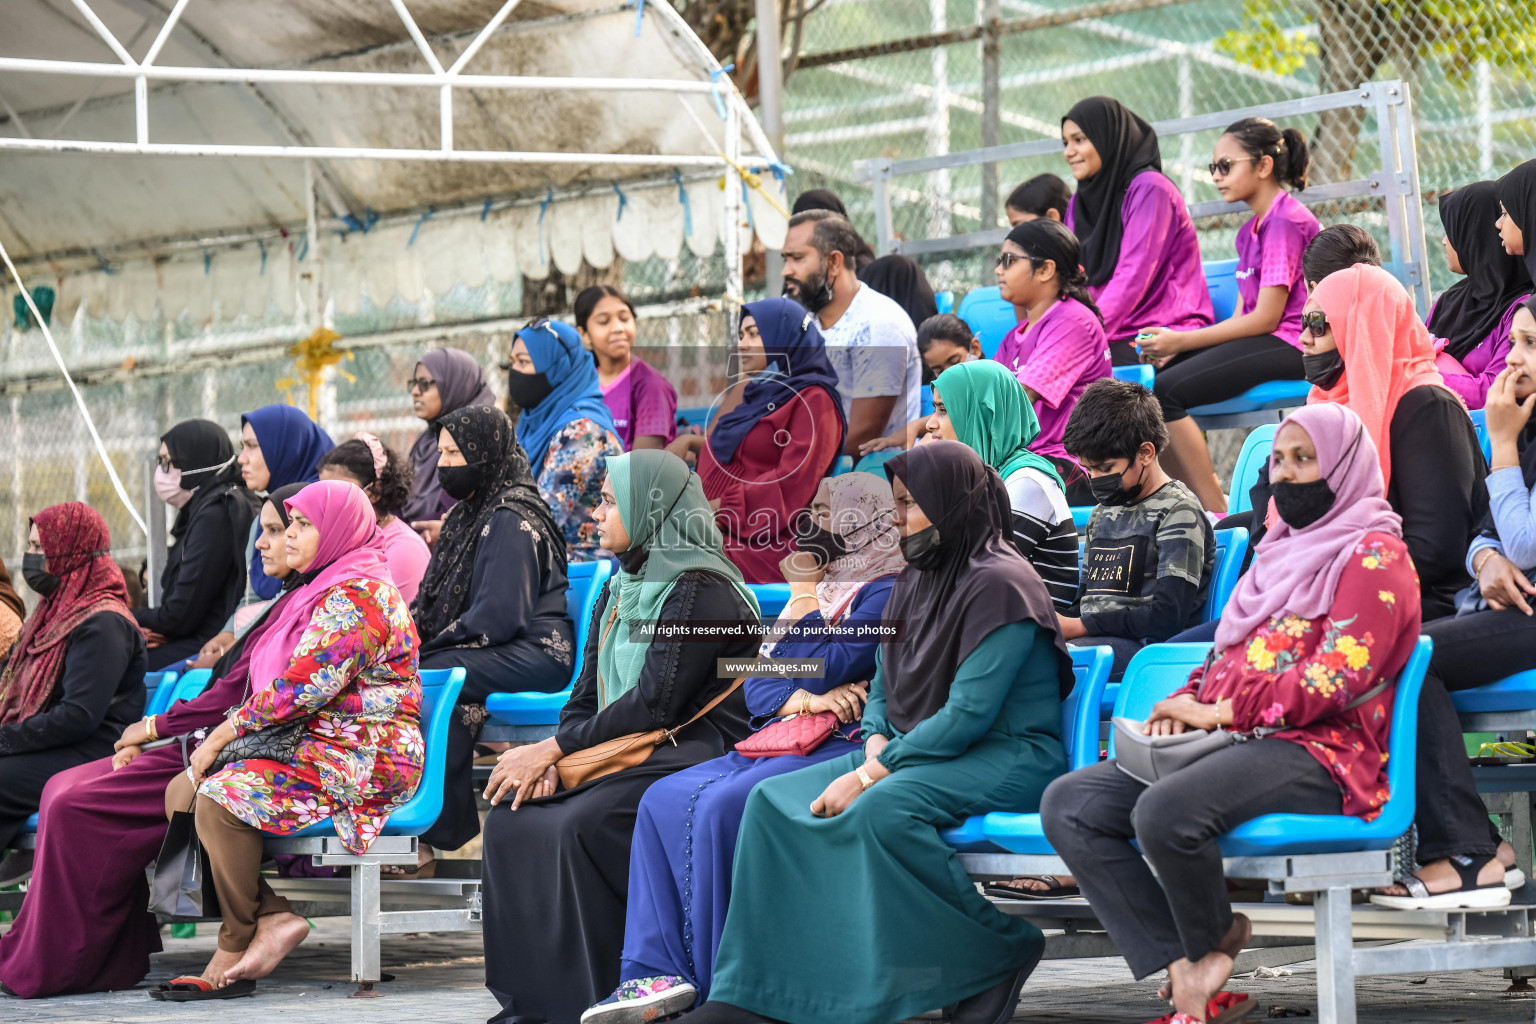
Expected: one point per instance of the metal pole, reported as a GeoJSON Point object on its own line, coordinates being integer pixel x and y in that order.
{"type": "Point", "coordinates": [1484, 117]}
{"type": "Point", "coordinates": [991, 13]}
{"type": "Point", "coordinates": [732, 212]}
{"type": "Point", "coordinates": [937, 143]}
{"type": "Point", "coordinates": [154, 554]}
{"type": "Point", "coordinates": [770, 107]}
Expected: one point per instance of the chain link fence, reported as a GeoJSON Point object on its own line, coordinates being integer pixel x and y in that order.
{"type": "Point", "coordinates": [870, 78]}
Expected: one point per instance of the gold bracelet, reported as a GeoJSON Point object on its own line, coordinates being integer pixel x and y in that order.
{"type": "Point", "coordinates": [864, 779]}
{"type": "Point", "coordinates": [803, 597]}
{"type": "Point", "coordinates": [1477, 567]}
{"type": "Point", "coordinates": [805, 702]}
{"type": "Point", "coordinates": [149, 727]}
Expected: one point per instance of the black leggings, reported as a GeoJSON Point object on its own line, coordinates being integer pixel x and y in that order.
{"type": "Point", "coordinates": [1472, 650]}
{"type": "Point", "coordinates": [1223, 371]}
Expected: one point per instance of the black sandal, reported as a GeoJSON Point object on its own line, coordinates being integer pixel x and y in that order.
{"type": "Point", "coordinates": [189, 989]}
{"type": "Point", "coordinates": [1054, 889]}
{"type": "Point", "coordinates": [1469, 895]}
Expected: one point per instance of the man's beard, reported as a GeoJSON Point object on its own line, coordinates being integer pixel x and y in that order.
{"type": "Point", "coordinates": [814, 293]}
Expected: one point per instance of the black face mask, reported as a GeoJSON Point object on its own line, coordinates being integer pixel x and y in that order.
{"type": "Point", "coordinates": [527, 390]}
{"type": "Point", "coordinates": [34, 571]}
{"type": "Point", "coordinates": [459, 481]}
{"type": "Point", "coordinates": [1110, 489]}
{"type": "Point", "coordinates": [1324, 369]}
{"type": "Point", "coordinates": [815, 294]}
{"type": "Point", "coordinates": [1301, 505]}
{"type": "Point", "coordinates": [921, 549]}
{"type": "Point", "coordinates": [824, 545]}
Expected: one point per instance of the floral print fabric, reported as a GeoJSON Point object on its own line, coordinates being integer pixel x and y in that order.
{"type": "Point", "coordinates": [571, 481]}
{"type": "Point", "coordinates": [1297, 675]}
{"type": "Point", "coordinates": [354, 679]}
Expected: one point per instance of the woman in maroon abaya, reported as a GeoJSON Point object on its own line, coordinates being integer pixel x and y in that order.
{"type": "Point", "coordinates": [83, 926]}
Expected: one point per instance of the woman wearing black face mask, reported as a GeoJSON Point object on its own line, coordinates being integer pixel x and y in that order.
{"type": "Point", "coordinates": [75, 677]}
{"type": "Point", "coordinates": [493, 597]}
{"type": "Point", "coordinates": [564, 426]}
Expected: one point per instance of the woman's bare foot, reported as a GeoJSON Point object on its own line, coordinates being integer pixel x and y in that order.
{"type": "Point", "coordinates": [1036, 883]}
{"type": "Point", "coordinates": [1440, 876]}
{"type": "Point", "coordinates": [1194, 984]}
{"type": "Point", "coordinates": [424, 856]}
{"type": "Point", "coordinates": [1232, 943]}
{"type": "Point", "coordinates": [216, 973]}
{"type": "Point", "coordinates": [277, 935]}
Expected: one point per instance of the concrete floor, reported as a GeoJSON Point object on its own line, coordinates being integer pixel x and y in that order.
{"type": "Point", "coordinates": [438, 978]}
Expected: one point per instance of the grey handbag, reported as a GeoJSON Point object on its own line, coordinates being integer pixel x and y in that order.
{"type": "Point", "coordinates": [180, 884]}
{"type": "Point", "coordinates": [1148, 759]}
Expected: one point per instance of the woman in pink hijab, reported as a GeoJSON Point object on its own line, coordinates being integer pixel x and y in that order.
{"type": "Point", "coordinates": [1308, 647]}
{"type": "Point", "coordinates": [337, 664]}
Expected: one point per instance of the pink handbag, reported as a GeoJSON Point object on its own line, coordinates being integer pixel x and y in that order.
{"type": "Point", "coordinates": [797, 735]}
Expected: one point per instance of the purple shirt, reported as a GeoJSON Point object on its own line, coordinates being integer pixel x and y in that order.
{"type": "Point", "coordinates": [1269, 255]}
{"type": "Point", "coordinates": [1158, 281]}
{"type": "Point", "coordinates": [1057, 360]}
{"type": "Point", "coordinates": [642, 402]}
{"type": "Point", "coordinates": [1481, 364]}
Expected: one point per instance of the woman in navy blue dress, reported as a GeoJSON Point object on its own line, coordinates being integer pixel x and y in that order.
{"type": "Point", "coordinates": [685, 834]}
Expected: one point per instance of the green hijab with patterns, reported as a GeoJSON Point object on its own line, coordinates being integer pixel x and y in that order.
{"type": "Point", "coordinates": [672, 528]}
{"type": "Point", "coordinates": [992, 415]}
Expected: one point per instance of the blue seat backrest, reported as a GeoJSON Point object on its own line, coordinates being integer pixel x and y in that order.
{"type": "Point", "coordinates": [1155, 672]}
{"type": "Point", "coordinates": [1140, 373]}
{"type": "Point", "coordinates": [695, 416]}
{"type": "Point", "coordinates": [191, 684]}
{"type": "Point", "coordinates": [439, 692]}
{"type": "Point", "coordinates": [1221, 282]}
{"type": "Point", "coordinates": [925, 400]}
{"type": "Point", "coordinates": [585, 585]}
{"type": "Point", "coordinates": [988, 316]}
{"type": "Point", "coordinates": [159, 688]}
{"type": "Point", "coordinates": [771, 598]}
{"type": "Point", "coordinates": [945, 301]}
{"type": "Point", "coordinates": [1231, 548]}
{"type": "Point", "coordinates": [1255, 453]}
{"type": "Point", "coordinates": [1480, 427]}
{"type": "Point", "coordinates": [1080, 711]}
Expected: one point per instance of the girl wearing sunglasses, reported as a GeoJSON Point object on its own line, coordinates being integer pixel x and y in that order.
{"type": "Point", "coordinates": [1254, 163]}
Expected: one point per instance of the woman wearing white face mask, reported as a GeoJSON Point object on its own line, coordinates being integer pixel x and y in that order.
{"type": "Point", "coordinates": [205, 569]}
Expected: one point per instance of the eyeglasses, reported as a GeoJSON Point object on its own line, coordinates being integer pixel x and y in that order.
{"type": "Point", "coordinates": [1315, 323]}
{"type": "Point", "coordinates": [1008, 259]}
{"type": "Point", "coordinates": [422, 384]}
{"type": "Point", "coordinates": [1223, 167]}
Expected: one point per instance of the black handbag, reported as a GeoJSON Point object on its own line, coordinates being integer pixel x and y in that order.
{"type": "Point", "coordinates": [180, 882]}
{"type": "Point", "coordinates": [278, 743]}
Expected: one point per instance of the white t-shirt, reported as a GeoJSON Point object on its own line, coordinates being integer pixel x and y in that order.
{"type": "Point", "coordinates": [1034, 494]}
{"type": "Point", "coordinates": [873, 348]}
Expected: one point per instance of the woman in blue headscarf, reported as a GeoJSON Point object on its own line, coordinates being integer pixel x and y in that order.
{"type": "Point", "coordinates": [765, 457]}
{"type": "Point", "coordinates": [279, 445]}
{"type": "Point", "coordinates": [563, 425]}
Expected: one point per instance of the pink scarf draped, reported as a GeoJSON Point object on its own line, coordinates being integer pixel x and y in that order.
{"type": "Point", "coordinates": [351, 547]}
{"type": "Point", "coordinates": [863, 514]}
{"type": "Point", "coordinates": [1297, 571]}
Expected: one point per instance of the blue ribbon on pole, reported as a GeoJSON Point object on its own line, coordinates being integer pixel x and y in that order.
{"type": "Point", "coordinates": [364, 225]}
{"type": "Point", "coordinates": [485, 211]}
{"type": "Point", "coordinates": [417, 229]}
{"type": "Point", "coordinates": [682, 197]}
{"type": "Point", "coordinates": [746, 204]}
{"type": "Point", "coordinates": [639, 16]}
{"type": "Point", "coordinates": [623, 201]}
{"type": "Point", "coordinates": [549, 197]}
{"type": "Point", "coordinates": [302, 248]}
{"type": "Point", "coordinates": [263, 247]}
{"type": "Point", "coordinates": [714, 88]}
{"type": "Point", "coordinates": [207, 262]}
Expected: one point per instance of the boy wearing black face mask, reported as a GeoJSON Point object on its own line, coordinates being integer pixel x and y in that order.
{"type": "Point", "coordinates": [1150, 548]}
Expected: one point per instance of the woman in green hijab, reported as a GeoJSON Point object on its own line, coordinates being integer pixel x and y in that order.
{"type": "Point", "coordinates": [984, 407]}
{"type": "Point", "coordinates": [555, 865]}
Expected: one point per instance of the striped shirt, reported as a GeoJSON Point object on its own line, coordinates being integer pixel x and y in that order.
{"type": "Point", "coordinates": [1043, 532]}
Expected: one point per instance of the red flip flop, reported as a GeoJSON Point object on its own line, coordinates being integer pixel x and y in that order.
{"type": "Point", "coordinates": [1224, 1008]}
{"type": "Point", "coordinates": [190, 989]}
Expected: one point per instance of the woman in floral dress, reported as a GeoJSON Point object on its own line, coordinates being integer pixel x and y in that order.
{"type": "Point", "coordinates": [1308, 650]}
{"type": "Point", "coordinates": [341, 658]}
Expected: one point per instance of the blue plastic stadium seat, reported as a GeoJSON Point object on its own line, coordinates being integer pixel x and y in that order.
{"type": "Point", "coordinates": [989, 317]}
{"type": "Point", "coordinates": [439, 692]}
{"type": "Point", "coordinates": [190, 685]}
{"type": "Point", "coordinates": [159, 688]}
{"type": "Point", "coordinates": [1480, 425]}
{"type": "Point", "coordinates": [1079, 731]}
{"type": "Point", "coordinates": [1255, 453]}
{"type": "Point", "coordinates": [1221, 282]}
{"type": "Point", "coordinates": [1512, 693]}
{"type": "Point", "coordinates": [925, 400]}
{"type": "Point", "coordinates": [771, 597]}
{"type": "Point", "coordinates": [1231, 549]}
{"type": "Point", "coordinates": [585, 585]}
{"type": "Point", "coordinates": [945, 301]}
{"type": "Point", "coordinates": [1140, 373]}
{"type": "Point", "coordinates": [697, 416]}
{"type": "Point", "coordinates": [1157, 671]}
{"type": "Point", "coordinates": [874, 462]}
{"type": "Point", "coordinates": [1081, 514]}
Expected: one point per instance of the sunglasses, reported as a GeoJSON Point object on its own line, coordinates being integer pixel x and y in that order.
{"type": "Point", "coordinates": [422, 384]}
{"type": "Point", "coordinates": [1315, 323]}
{"type": "Point", "coordinates": [1008, 259]}
{"type": "Point", "coordinates": [1223, 167]}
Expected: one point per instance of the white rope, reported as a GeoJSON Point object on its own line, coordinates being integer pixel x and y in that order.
{"type": "Point", "coordinates": [85, 414]}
